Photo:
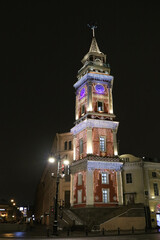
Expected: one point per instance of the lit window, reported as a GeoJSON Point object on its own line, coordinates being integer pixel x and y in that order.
{"type": "Point", "coordinates": [102, 144]}
{"type": "Point", "coordinates": [105, 195]}
{"type": "Point", "coordinates": [128, 178]}
{"type": "Point", "coordinates": [154, 174]}
{"type": "Point", "coordinates": [81, 146]}
{"type": "Point", "coordinates": [100, 106]}
{"type": "Point", "coordinates": [65, 145]}
{"type": "Point", "coordinates": [83, 109]}
{"type": "Point", "coordinates": [105, 178]}
{"type": "Point", "coordinates": [156, 191]}
{"type": "Point", "coordinates": [79, 179]}
{"type": "Point", "coordinates": [70, 145]}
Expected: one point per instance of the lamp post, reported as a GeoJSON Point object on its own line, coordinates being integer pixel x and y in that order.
{"type": "Point", "coordinates": [66, 162]}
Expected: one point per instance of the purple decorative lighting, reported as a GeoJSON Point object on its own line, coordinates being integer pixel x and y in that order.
{"type": "Point", "coordinates": [99, 88]}
{"type": "Point", "coordinates": [82, 93]}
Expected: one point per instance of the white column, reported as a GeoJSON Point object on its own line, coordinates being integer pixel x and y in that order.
{"type": "Point", "coordinates": [89, 141]}
{"type": "Point", "coordinates": [115, 142]}
{"type": "Point", "coordinates": [74, 147]}
{"type": "Point", "coordinates": [119, 188]}
{"type": "Point", "coordinates": [89, 188]}
{"type": "Point", "coordinates": [110, 101]}
{"type": "Point", "coordinates": [89, 99]}
{"type": "Point", "coordinates": [71, 190]}
{"type": "Point", "coordinates": [76, 108]}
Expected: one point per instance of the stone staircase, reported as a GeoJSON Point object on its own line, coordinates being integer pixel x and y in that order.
{"type": "Point", "coordinates": [96, 216]}
{"type": "Point", "coordinates": [72, 219]}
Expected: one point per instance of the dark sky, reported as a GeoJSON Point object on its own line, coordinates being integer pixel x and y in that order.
{"type": "Point", "coordinates": [42, 44]}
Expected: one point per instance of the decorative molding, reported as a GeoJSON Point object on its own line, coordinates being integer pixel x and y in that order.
{"type": "Point", "coordinates": [104, 165]}
{"type": "Point", "coordinates": [93, 76]}
{"type": "Point", "coordinates": [94, 124]}
{"type": "Point", "coordinates": [132, 165]}
{"type": "Point", "coordinates": [92, 162]}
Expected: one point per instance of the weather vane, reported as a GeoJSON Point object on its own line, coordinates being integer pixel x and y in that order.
{"type": "Point", "coordinates": [92, 26]}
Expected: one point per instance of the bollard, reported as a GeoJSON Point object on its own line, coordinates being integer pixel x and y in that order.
{"type": "Point", "coordinates": [86, 232]}
{"type": "Point", "coordinates": [132, 230]}
{"type": "Point", "coordinates": [68, 232]}
{"type": "Point", "coordinates": [103, 231]}
{"type": "Point", "coordinates": [118, 231]}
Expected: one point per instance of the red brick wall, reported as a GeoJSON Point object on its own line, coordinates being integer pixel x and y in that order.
{"type": "Point", "coordinates": [80, 135]}
{"type": "Point", "coordinates": [96, 133]}
{"type": "Point", "coordinates": [77, 187]}
{"type": "Point", "coordinates": [98, 186]}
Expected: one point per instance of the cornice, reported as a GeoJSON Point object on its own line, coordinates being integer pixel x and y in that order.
{"type": "Point", "coordinates": [96, 163]}
{"type": "Point", "coordinates": [93, 76]}
{"type": "Point", "coordinates": [94, 123]}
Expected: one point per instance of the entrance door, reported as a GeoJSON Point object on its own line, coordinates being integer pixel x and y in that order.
{"type": "Point", "coordinates": [129, 198]}
{"type": "Point", "coordinates": [67, 199]}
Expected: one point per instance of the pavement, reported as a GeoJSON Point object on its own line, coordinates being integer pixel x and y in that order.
{"type": "Point", "coordinates": [41, 232]}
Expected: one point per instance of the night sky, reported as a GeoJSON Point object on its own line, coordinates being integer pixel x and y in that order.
{"type": "Point", "coordinates": [42, 44]}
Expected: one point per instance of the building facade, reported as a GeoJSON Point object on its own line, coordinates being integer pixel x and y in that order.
{"type": "Point", "coordinates": [46, 190]}
{"type": "Point", "coordinates": [141, 184]}
{"type": "Point", "coordinates": [96, 168]}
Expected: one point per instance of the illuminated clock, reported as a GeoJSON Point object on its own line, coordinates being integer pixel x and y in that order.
{"type": "Point", "coordinates": [82, 92]}
{"type": "Point", "coordinates": [99, 88]}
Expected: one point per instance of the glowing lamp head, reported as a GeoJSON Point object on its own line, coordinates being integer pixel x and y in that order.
{"type": "Point", "coordinates": [51, 160]}
{"type": "Point", "coordinates": [12, 200]}
{"type": "Point", "coordinates": [66, 162]}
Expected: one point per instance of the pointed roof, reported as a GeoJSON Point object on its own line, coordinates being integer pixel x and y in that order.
{"type": "Point", "coordinates": [94, 46]}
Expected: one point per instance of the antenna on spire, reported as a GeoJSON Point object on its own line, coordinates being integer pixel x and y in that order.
{"type": "Point", "coordinates": [92, 26]}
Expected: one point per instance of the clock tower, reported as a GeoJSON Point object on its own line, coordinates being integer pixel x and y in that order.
{"type": "Point", "coordinates": [96, 168]}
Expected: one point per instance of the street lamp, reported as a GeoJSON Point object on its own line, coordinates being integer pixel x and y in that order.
{"type": "Point", "coordinates": [65, 162]}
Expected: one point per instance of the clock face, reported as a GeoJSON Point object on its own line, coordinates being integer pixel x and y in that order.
{"type": "Point", "coordinates": [82, 92]}
{"type": "Point", "coordinates": [99, 88]}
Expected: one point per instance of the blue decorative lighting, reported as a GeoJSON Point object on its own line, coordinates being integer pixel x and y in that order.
{"type": "Point", "coordinates": [102, 78]}
{"type": "Point", "coordinates": [99, 88]}
{"type": "Point", "coordinates": [82, 93]}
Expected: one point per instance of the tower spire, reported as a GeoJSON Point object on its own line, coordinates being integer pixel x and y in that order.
{"type": "Point", "coordinates": [92, 26]}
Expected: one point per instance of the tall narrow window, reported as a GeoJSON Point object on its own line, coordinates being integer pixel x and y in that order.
{"type": "Point", "coordinates": [70, 145]}
{"type": "Point", "coordinates": [81, 146]}
{"type": "Point", "coordinates": [105, 195]}
{"type": "Point", "coordinates": [65, 145]}
{"type": "Point", "coordinates": [79, 179]}
{"type": "Point", "coordinates": [105, 178]}
{"type": "Point", "coordinates": [156, 191]}
{"type": "Point", "coordinates": [102, 144]}
{"type": "Point", "coordinates": [79, 196]}
{"type": "Point", "coordinates": [100, 106]}
{"type": "Point", "coordinates": [128, 178]}
{"type": "Point", "coordinates": [82, 109]}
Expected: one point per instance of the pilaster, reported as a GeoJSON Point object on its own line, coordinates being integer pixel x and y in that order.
{"type": "Point", "coordinates": [71, 190]}
{"type": "Point", "coordinates": [110, 101]}
{"type": "Point", "coordinates": [89, 141]}
{"type": "Point", "coordinates": [115, 142]}
{"type": "Point", "coordinates": [119, 188]}
{"type": "Point", "coordinates": [89, 99]}
{"type": "Point", "coordinates": [89, 188]}
{"type": "Point", "coordinates": [74, 147]}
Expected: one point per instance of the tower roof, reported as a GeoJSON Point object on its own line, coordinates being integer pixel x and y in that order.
{"type": "Point", "coordinates": [94, 46]}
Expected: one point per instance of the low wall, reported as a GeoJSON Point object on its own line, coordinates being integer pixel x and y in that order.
{"type": "Point", "coordinates": [124, 223]}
